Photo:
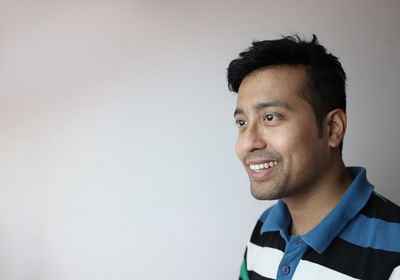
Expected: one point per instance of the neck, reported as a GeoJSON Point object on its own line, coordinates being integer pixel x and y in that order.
{"type": "Point", "coordinates": [309, 209]}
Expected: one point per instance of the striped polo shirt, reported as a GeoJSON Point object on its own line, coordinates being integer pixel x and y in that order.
{"type": "Point", "coordinates": [358, 239]}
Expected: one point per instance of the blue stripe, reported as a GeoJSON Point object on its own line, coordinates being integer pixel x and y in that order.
{"type": "Point", "coordinates": [373, 233]}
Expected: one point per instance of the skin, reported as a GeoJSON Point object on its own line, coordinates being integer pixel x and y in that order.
{"type": "Point", "coordinates": [277, 124]}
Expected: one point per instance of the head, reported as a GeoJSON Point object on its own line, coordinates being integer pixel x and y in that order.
{"type": "Point", "coordinates": [290, 112]}
{"type": "Point", "coordinates": [325, 86]}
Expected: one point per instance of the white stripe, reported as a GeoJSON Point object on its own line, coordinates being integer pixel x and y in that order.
{"type": "Point", "coordinates": [263, 260]}
{"type": "Point", "coordinates": [312, 271]}
{"type": "Point", "coordinates": [395, 274]}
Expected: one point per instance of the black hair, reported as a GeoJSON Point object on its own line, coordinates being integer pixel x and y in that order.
{"type": "Point", "coordinates": [326, 86]}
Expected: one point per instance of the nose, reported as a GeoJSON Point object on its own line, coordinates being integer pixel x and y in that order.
{"type": "Point", "coordinates": [253, 139]}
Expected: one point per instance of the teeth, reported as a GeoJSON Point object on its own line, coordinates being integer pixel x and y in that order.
{"type": "Point", "coordinates": [266, 165]}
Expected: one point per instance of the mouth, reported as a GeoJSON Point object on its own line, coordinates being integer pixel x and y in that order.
{"type": "Point", "coordinates": [262, 169]}
{"type": "Point", "coordinates": [261, 166]}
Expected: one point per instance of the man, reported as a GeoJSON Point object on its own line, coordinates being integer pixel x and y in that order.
{"type": "Point", "coordinates": [328, 222]}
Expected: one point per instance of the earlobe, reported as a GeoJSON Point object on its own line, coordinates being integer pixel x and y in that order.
{"type": "Point", "coordinates": [337, 123]}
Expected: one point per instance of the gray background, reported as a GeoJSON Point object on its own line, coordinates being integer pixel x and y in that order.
{"type": "Point", "coordinates": [117, 135]}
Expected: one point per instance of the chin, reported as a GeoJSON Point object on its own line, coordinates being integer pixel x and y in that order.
{"type": "Point", "coordinates": [263, 194]}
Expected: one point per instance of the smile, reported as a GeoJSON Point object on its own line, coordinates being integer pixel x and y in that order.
{"type": "Point", "coordinates": [261, 166]}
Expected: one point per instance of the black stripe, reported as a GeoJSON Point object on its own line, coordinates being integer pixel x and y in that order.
{"type": "Point", "coordinates": [255, 276]}
{"type": "Point", "coordinates": [381, 208]}
{"type": "Point", "coordinates": [271, 239]}
{"type": "Point", "coordinates": [358, 262]}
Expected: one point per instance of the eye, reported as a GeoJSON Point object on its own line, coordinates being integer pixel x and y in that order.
{"type": "Point", "coordinates": [271, 117]}
{"type": "Point", "coordinates": [240, 123]}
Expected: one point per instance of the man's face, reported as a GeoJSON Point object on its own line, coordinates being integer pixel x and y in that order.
{"type": "Point", "coordinates": [278, 141]}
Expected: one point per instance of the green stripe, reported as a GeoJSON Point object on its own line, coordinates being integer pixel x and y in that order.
{"type": "Point", "coordinates": [243, 271]}
{"type": "Point", "coordinates": [381, 197]}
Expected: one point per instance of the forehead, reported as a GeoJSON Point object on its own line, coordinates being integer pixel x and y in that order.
{"type": "Point", "coordinates": [276, 84]}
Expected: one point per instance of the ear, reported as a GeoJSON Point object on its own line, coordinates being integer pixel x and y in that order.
{"type": "Point", "coordinates": [335, 124]}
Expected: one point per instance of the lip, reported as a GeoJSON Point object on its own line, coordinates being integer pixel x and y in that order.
{"type": "Point", "coordinates": [263, 174]}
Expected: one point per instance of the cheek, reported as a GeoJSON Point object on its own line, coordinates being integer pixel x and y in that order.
{"type": "Point", "coordinates": [295, 142]}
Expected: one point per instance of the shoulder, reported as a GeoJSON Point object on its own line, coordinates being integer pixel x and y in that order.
{"type": "Point", "coordinates": [266, 233]}
{"type": "Point", "coordinates": [379, 207]}
{"type": "Point", "coordinates": [377, 226]}
{"type": "Point", "coordinates": [261, 220]}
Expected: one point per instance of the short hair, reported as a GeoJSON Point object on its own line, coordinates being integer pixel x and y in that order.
{"type": "Point", "coordinates": [326, 86]}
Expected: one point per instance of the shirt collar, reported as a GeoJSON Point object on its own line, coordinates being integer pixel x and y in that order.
{"type": "Point", "coordinates": [319, 238]}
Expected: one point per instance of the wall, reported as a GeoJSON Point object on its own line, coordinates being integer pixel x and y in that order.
{"type": "Point", "coordinates": [117, 136]}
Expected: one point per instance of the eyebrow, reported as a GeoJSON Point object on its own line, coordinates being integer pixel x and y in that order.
{"type": "Point", "coordinates": [262, 105]}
